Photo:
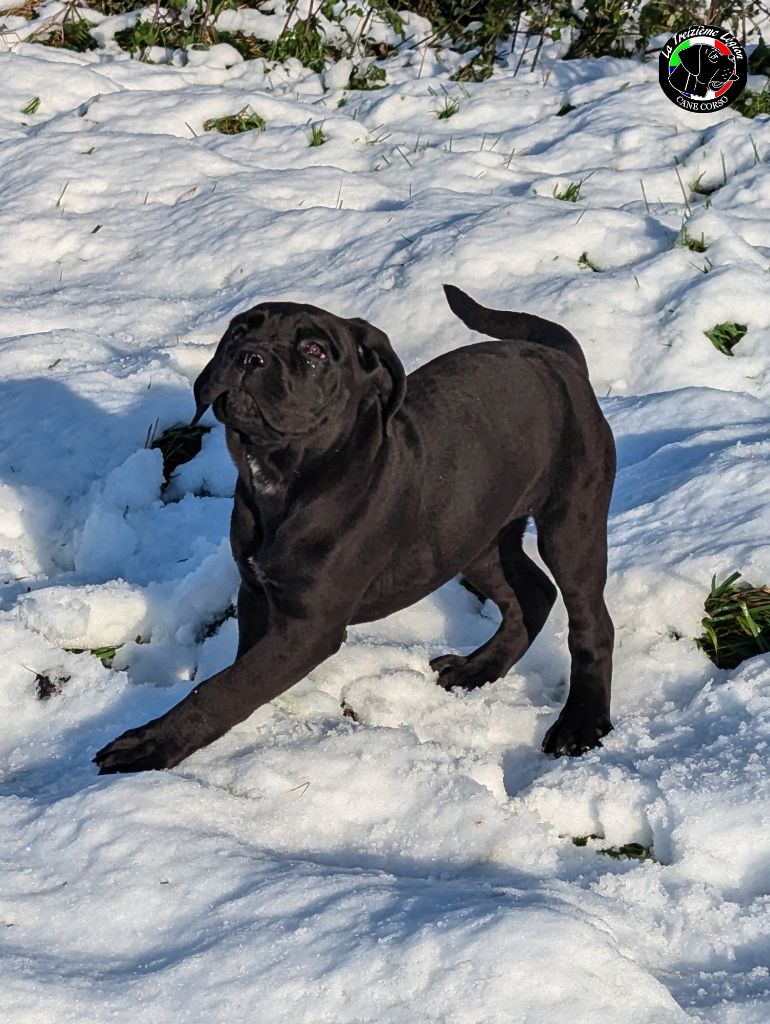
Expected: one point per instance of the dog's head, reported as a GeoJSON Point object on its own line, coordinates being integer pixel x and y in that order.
{"type": "Point", "coordinates": [286, 373]}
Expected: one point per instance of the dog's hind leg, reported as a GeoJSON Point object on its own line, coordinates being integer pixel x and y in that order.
{"type": "Point", "coordinates": [524, 595]}
{"type": "Point", "coordinates": [573, 542]}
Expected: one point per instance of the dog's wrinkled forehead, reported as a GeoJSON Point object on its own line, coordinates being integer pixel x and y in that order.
{"type": "Point", "coordinates": [278, 325]}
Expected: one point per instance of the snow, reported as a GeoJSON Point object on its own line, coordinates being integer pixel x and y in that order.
{"type": "Point", "coordinates": [411, 859]}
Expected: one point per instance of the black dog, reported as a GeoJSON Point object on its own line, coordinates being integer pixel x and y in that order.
{"type": "Point", "coordinates": [360, 492]}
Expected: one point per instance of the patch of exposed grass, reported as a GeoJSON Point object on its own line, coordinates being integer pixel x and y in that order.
{"type": "Point", "coordinates": [759, 61]}
{"type": "Point", "coordinates": [71, 33]}
{"type": "Point", "coordinates": [177, 444]}
{"type": "Point", "coordinates": [450, 108]}
{"type": "Point", "coordinates": [212, 627]}
{"type": "Point", "coordinates": [104, 654]}
{"type": "Point", "coordinates": [737, 622]}
{"type": "Point", "coordinates": [47, 686]}
{"type": "Point", "coordinates": [751, 104]}
{"type": "Point", "coordinates": [246, 120]}
{"type": "Point", "coordinates": [248, 46]}
{"type": "Point", "coordinates": [32, 107]}
{"type": "Point", "coordinates": [349, 712]}
{"type": "Point", "coordinates": [480, 27]}
{"type": "Point", "coordinates": [304, 42]}
{"type": "Point", "coordinates": [583, 840]}
{"type": "Point", "coordinates": [586, 262]}
{"type": "Point", "coordinates": [565, 109]}
{"type": "Point", "coordinates": [693, 244]}
{"type": "Point", "coordinates": [630, 851]}
{"type": "Point", "coordinates": [700, 189]}
{"type": "Point", "coordinates": [570, 194]}
{"type": "Point", "coordinates": [317, 135]}
{"type": "Point", "coordinates": [173, 25]}
{"type": "Point", "coordinates": [724, 337]}
{"type": "Point", "coordinates": [111, 7]}
{"type": "Point", "coordinates": [25, 10]}
{"type": "Point", "coordinates": [368, 78]}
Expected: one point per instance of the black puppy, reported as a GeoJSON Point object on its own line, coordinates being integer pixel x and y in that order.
{"type": "Point", "coordinates": [360, 492]}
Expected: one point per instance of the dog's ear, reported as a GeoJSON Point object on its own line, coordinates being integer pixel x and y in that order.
{"type": "Point", "coordinates": [210, 383]}
{"type": "Point", "coordinates": [201, 389]}
{"type": "Point", "coordinates": [376, 356]}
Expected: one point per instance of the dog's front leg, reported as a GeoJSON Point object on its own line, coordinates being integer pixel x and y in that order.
{"type": "Point", "coordinates": [292, 647]}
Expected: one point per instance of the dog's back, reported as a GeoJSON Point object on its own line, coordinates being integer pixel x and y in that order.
{"type": "Point", "coordinates": [500, 323]}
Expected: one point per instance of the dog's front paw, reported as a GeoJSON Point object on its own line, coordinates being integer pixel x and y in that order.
{"type": "Point", "coordinates": [444, 665]}
{"type": "Point", "coordinates": [148, 748]}
{"type": "Point", "coordinates": [575, 731]}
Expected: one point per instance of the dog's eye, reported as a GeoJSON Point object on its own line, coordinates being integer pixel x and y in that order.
{"type": "Point", "coordinates": [313, 350]}
{"type": "Point", "coordinates": [249, 360]}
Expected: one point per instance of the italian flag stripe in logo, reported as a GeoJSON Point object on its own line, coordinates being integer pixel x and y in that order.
{"type": "Point", "coordinates": [696, 41]}
{"type": "Point", "coordinates": [675, 61]}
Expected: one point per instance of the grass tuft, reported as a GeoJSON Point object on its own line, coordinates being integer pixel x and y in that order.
{"type": "Point", "coordinates": [724, 337]}
{"type": "Point", "coordinates": [759, 61]}
{"type": "Point", "coordinates": [368, 78]}
{"type": "Point", "coordinates": [212, 627]}
{"type": "Point", "coordinates": [737, 622]}
{"type": "Point", "coordinates": [565, 109]}
{"type": "Point", "coordinates": [246, 120]}
{"type": "Point", "coordinates": [693, 244]}
{"type": "Point", "coordinates": [248, 46]}
{"type": "Point", "coordinates": [700, 189]}
{"type": "Point", "coordinates": [585, 261]}
{"type": "Point", "coordinates": [630, 851]}
{"type": "Point", "coordinates": [570, 194]}
{"type": "Point", "coordinates": [751, 104]}
{"type": "Point", "coordinates": [317, 135]}
{"type": "Point", "coordinates": [177, 444]}
{"type": "Point", "coordinates": [450, 108]}
{"type": "Point", "coordinates": [32, 107]}
{"type": "Point", "coordinates": [71, 33]}
{"type": "Point", "coordinates": [104, 654]}
{"type": "Point", "coordinates": [46, 687]}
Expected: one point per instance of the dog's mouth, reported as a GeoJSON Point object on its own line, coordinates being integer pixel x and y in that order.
{"type": "Point", "coordinates": [235, 416]}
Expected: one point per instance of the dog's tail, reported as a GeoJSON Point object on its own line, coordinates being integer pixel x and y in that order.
{"type": "Point", "coordinates": [499, 323]}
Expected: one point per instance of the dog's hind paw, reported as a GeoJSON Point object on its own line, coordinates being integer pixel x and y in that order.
{"type": "Point", "coordinates": [465, 673]}
{"type": "Point", "coordinates": [574, 732]}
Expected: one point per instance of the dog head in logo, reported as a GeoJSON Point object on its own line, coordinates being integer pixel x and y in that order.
{"type": "Point", "coordinates": [701, 69]}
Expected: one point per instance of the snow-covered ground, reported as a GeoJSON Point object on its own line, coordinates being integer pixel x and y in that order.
{"type": "Point", "coordinates": [416, 863]}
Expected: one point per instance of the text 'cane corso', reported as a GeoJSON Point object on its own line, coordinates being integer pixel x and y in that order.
{"type": "Point", "coordinates": [361, 490]}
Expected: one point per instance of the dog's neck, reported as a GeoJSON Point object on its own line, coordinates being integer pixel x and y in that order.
{"type": "Point", "coordinates": [273, 474]}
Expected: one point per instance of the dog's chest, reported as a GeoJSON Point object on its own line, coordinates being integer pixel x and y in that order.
{"type": "Point", "coordinates": [255, 571]}
{"type": "Point", "coordinates": [258, 478]}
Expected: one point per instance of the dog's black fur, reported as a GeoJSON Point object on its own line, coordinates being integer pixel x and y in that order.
{"type": "Point", "coordinates": [359, 492]}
